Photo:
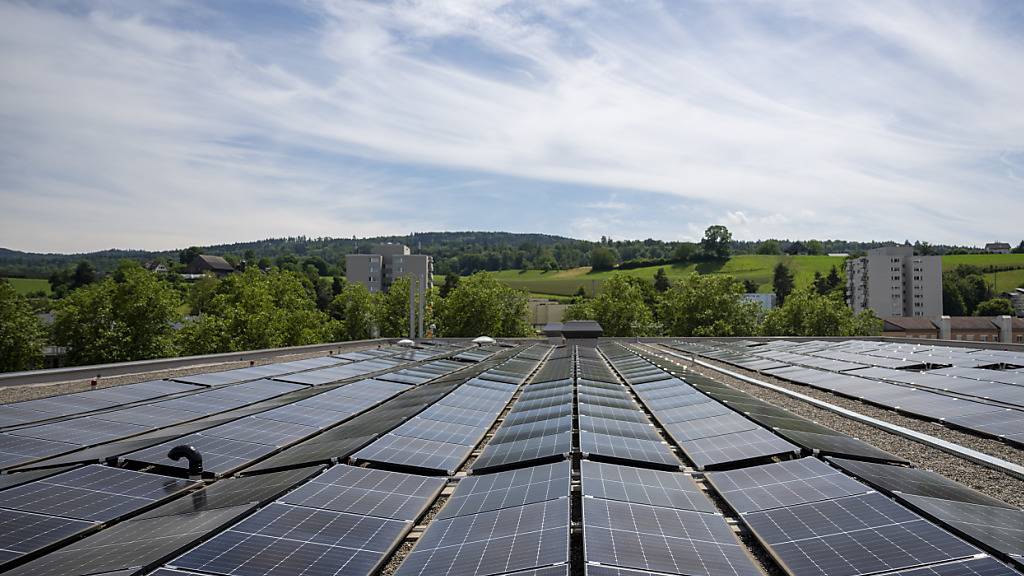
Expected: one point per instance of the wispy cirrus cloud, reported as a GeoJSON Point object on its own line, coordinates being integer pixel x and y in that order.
{"type": "Point", "coordinates": [170, 123]}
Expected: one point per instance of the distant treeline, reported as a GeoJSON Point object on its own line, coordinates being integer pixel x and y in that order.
{"type": "Point", "coordinates": [454, 252]}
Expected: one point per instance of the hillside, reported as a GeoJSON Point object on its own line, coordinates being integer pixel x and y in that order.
{"type": "Point", "coordinates": [756, 268]}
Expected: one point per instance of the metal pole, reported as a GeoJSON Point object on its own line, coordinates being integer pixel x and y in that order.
{"type": "Point", "coordinates": [412, 308]}
{"type": "Point", "coordinates": [423, 299]}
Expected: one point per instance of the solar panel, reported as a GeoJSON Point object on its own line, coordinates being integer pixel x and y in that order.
{"type": "Point", "coordinates": [853, 535]}
{"type": "Point", "coordinates": [415, 453]}
{"type": "Point", "coordinates": [643, 486]}
{"type": "Point", "coordinates": [440, 431]}
{"type": "Point", "coordinates": [998, 528]}
{"type": "Point", "coordinates": [661, 539]}
{"type": "Point", "coordinates": [16, 450]}
{"type": "Point", "coordinates": [260, 430]}
{"type": "Point", "coordinates": [618, 427]}
{"type": "Point", "coordinates": [483, 493]}
{"type": "Point", "coordinates": [220, 455]}
{"type": "Point", "coordinates": [986, 566]}
{"type": "Point", "coordinates": [131, 544]}
{"type": "Point", "coordinates": [783, 484]}
{"type": "Point", "coordinates": [24, 532]}
{"type": "Point", "coordinates": [495, 542]}
{"type": "Point", "coordinates": [96, 493]}
{"type": "Point", "coordinates": [368, 492]}
{"type": "Point", "coordinates": [914, 481]}
{"type": "Point", "coordinates": [521, 451]}
{"type": "Point", "coordinates": [709, 427]}
{"type": "Point", "coordinates": [531, 429]}
{"type": "Point", "coordinates": [735, 447]}
{"type": "Point", "coordinates": [283, 539]}
{"type": "Point", "coordinates": [627, 448]}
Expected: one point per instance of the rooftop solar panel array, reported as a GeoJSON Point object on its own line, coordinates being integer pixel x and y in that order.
{"type": "Point", "coordinates": [538, 427]}
{"type": "Point", "coordinates": [811, 436]}
{"type": "Point", "coordinates": [612, 425]}
{"type": "Point", "coordinates": [709, 433]}
{"type": "Point", "coordinates": [42, 513]}
{"type": "Point", "coordinates": [816, 520]}
{"type": "Point", "coordinates": [635, 513]}
{"type": "Point", "coordinates": [655, 521]}
{"type": "Point", "coordinates": [441, 438]}
{"type": "Point", "coordinates": [498, 524]}
{"type": "Point", "coordinates": [987, 521]}
{"type": "Point", "coordinates": [954, 391]}
{"type": "Point", "coordinates": [345, 521]}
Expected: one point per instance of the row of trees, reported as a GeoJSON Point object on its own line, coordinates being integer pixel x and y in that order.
{"type": "Point", "coordinates": [133, 314]}
{"type": "Point", "coordinates": [714, 305]}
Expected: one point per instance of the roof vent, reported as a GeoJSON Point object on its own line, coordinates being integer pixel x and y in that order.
{"type": "Point", "coordinates": [195, 459]}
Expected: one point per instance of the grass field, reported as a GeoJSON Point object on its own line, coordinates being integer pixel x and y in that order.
{"type": "Point", "coordinates": [27, 285]}
{"type": "Point", "coordinates": [756, 268]}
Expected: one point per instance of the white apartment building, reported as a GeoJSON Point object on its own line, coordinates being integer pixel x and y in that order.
{"type": "Point", "coordinates": [893, 282]}
{"type": "Point", "coordinates": [379, 270]}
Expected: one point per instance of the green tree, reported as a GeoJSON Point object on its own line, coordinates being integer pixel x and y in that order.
{"type": "Point", "coordinates": [22, 335]}
{"type": "Point", "coordinates": [661, 281]}
{"type": "Point", "coordinates": [127, 316]}
{"type": "Point", "coordinates": [749, 286]}
{"type": "Point", "coordinates": [807, 313]}
{"type": "Point", "coordinates": [782, 283]}
{"type": "Point", "coordinates": [684, 252]}
{"type": "Point", "coordinates": [84, 275]}
{"type": "Point", "coordinates": [481, 305]}
{"type": "Point", "coordinates": [952, 300]}
{"type": "Point", "coordinates": [769, 247]}
{"type": "Point", "coordinates": [201, 293]}
{"type": "Point", "coordinates": [338, 285]}
{"type": "Point", "coordinates": [254, 310]}
{"type": "Point", "coordinates": [1019, 249]}
{"type": "Point", "coordinates": [392, 310]}
{"type": "Point", "coordinates": [603, 258]}
{"type": "Point", "coordinates": [820, 283]}
{"type": "Point", "coordinates": [189, 254]}
{"type": "Point", "coordinates": [814, 248]}
{"type": "Point", "coordinates": [716, 241]}
{"type": "Point", "coordinates": [833, 280]}
{"type": "Point", "coordinates": [620, 309]}
{"type": "Point", "coordinates": [451, 281]}
{"type": "Point", "coordinates": [709, 305]}
{"type": "Point", "coordinates": [355, 308]}
{"type": "Point", "coordinates": [995, 307]}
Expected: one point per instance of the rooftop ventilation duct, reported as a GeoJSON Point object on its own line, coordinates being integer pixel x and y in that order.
{"type": "Point", "coordinates": [195, 459]}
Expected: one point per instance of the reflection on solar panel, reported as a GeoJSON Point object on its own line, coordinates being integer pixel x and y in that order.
{"type": "Point", "coordinates": [853, 535]}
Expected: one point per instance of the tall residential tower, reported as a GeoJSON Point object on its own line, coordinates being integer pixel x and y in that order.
{"type": "Point", "coordinates": [892, 281]}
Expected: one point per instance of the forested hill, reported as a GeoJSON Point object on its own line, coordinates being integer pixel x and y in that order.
{"type": "Point", "coordinates": [461, 252]}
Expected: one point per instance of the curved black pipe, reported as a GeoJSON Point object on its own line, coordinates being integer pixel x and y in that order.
{"type": "Point", "coordinates": [195, 459]}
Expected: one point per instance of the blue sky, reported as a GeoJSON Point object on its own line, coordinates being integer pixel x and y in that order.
{"type": "Point", "coordinates": [165, 123]}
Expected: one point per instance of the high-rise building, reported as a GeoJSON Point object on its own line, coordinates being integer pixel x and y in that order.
{"type": "Point", "coordinates": [893, 281]}
{"type": "Point", "coordinates": [388, 262]}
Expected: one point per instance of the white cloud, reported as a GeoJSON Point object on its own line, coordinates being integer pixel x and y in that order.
{"type": "Point", "coordinates": [884, 120]}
